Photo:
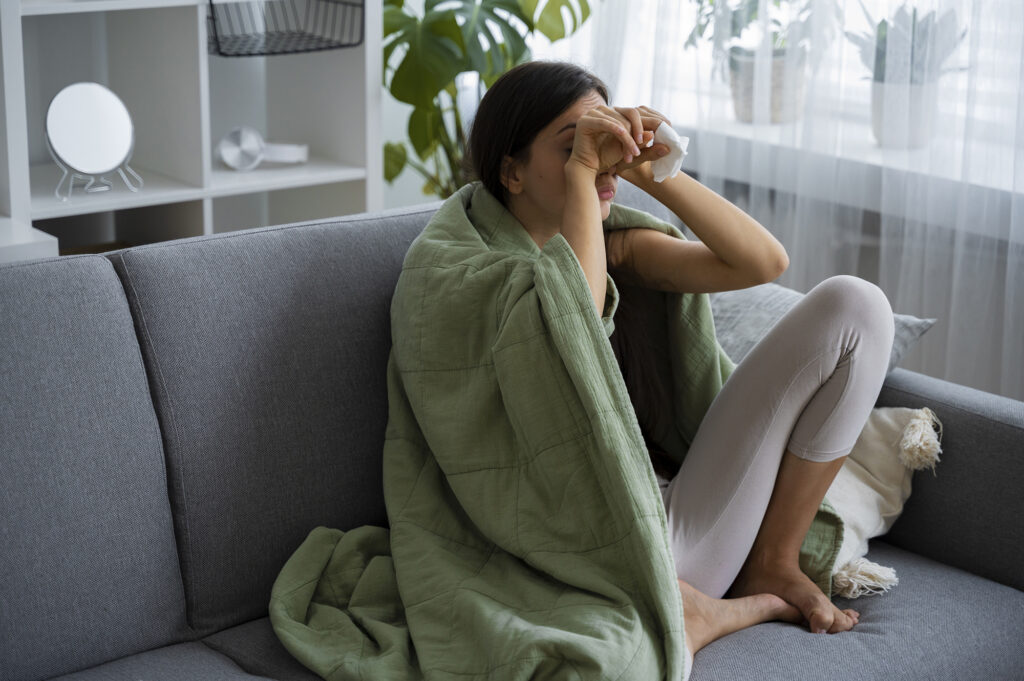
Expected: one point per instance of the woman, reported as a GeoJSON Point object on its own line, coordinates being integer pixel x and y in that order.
{"type": "Point", "coordinates": [546, 143]}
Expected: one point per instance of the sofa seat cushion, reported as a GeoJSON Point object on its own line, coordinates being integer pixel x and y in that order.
{"type": "Point", "coordinates": [938, 623]}
{"type": "Point", "coordinates": [256, 649]}
{"type": "Point", "coordinates": [173, 663]}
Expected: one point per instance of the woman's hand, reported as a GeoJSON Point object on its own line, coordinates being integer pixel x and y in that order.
{"type": "Point", "coordinates": [604, 138]}
{"type": "Point", "coordinates": [612, 140]}
{"type": "Point", "coordinates": [638, 170]}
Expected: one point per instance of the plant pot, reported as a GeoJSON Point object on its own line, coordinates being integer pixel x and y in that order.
{"type": "Point", "coordinates": [902, 114]}
{"type": "Point", "coordinates": [787, 84]}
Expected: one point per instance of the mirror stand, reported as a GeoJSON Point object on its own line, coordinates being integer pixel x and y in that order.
{"type": "Point", "coordinates": [94, 183]}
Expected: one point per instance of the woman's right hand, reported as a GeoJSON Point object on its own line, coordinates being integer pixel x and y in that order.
{"type": "Point", "coordinates": [603, 140]}
{"type": "Point", "coordinates": [610, 140]}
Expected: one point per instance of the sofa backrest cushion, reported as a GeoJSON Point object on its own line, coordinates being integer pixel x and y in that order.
{"type": "Point", "coordinates": [88, 566]}
{"type": "Point", "coordinates": [268, 351]}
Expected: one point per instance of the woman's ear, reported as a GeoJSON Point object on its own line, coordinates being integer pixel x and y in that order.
{"type": "Point", "coordinates": [510, 175]}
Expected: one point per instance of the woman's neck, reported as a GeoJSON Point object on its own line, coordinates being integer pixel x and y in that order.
{"type": "Point", "coordinates": [539, 226]}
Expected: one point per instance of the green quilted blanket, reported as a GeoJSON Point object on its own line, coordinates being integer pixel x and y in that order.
{"type": "Point", "coordinates": [527, 534]}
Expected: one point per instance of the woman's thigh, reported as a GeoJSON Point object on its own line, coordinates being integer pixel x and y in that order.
{"type": "Point", "coordinates": [809, 387]}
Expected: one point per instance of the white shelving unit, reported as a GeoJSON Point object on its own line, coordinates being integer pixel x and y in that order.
{"type": "Point", "coordinates": [153, 54]}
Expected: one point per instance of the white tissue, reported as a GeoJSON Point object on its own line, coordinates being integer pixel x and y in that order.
{"type": "Point", "coordinates": [668, 165]}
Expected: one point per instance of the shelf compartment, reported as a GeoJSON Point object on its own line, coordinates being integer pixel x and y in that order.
{"type": "Point", "coordinates": [319, 109]}
{"type": "Point", "coordinates": [148, 58]}
{"type": "Point", "coordinates": [158, 189]}
{"type": "Point", "coordinates": [109, 230]}
{"type": "Point", "coordinates": [250, 28]}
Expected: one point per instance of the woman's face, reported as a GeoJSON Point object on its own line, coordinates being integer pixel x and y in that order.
{"type": "Point", "coordinates": [537, 187]}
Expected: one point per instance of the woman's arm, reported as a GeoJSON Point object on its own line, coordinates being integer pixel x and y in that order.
{"type": "Point", "coordinates": [602, 139]}
{"type": "Point", "coordinates": [735, 251]}
{"type": "Point", "coordinates": [581, 227]}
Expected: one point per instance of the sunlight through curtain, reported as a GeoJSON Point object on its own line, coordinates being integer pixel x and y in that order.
{"type": "Point", "coordinates": [879, 138]}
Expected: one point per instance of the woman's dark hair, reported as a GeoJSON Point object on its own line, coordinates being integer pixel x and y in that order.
{"type": "Point", "coordinates": [517, 107]}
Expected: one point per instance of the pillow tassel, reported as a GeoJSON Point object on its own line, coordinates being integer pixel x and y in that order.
{"type": "Point", "coordinates": [919, 447]}
{"type": "Point", "coordinates": [861, 576]}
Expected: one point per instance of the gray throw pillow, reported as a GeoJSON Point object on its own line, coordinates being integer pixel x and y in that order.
{"type": "Point", "coordinates": [743, 317]}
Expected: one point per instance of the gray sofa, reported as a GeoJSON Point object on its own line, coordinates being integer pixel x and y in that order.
{"type": "Point", "coordinates": [176, 417]}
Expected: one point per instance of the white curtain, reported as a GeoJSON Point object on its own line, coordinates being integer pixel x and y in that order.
{"type": "Point", "coordinates": [930, 207]}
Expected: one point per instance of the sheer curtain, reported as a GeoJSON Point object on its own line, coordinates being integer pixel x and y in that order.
{"type": "Point", "coordinates": [902, 165]}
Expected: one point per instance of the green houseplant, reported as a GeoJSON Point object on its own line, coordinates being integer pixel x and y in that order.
{"type": "Point", "coordinates": [737, 32]}
{"type": "Point", "coordinates": [905, 55]}
{"type": "Point", "coordinates": [424, 55]}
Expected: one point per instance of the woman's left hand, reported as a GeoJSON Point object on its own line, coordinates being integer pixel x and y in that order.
{"type": "Point", "coordinates": [645, 119]}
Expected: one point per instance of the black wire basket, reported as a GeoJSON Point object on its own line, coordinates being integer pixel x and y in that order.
{"type": "Point", "coordinates": [263, 27]}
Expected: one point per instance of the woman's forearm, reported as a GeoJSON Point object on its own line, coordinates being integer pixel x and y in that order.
{"type": "Point", "coordinates": [736, 238]}
{"type": "Point", "coordinates": [581, 227]}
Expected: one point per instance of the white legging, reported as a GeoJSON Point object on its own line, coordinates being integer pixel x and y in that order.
{"type": "Point", "coordinates": [808, 387]}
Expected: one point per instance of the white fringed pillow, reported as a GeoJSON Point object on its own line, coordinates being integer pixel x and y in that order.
{"type": "Point", "coordinates": [872, 486]}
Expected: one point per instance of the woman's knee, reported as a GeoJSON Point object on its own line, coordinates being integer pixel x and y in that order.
{"type": "Point", "coordinates": [856, 301]}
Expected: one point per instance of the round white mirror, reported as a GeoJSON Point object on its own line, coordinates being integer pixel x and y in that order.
{"type": "Point", "coordinates": [89, 129]}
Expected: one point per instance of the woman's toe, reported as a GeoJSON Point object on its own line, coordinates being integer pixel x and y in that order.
{"type": "Point", "coordinates": [842, 622]}
{"type": "Point", "coordinates": [821, 619]}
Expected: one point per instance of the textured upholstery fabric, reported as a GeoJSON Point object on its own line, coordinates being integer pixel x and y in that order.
{"type": "Point", "coordinates": [192, 661]}
{"type": "Point", "coordinates": [255, 647]}
{"type": "Point", "coordinates": [937, 623]}
{"type": "Point", "coordinates": [969, 513]}
{"type": "Point", "coordinates": [88, 570]}
{"type": "Point", "coordinates": [267, 350]}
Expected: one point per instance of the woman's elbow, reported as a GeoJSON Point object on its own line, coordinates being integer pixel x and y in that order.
{"type": "Point", "coordinates": [776, 265]}
{"type": "Point", "coordinates": [773, 265]}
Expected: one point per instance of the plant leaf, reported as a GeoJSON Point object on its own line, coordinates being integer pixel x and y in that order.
{"type": "Point", "coordinates": [486, 25]}
{"type": "Point", "coordinates": [394, 160]}
{"type": "Point", "coordinates": [548, 17]}
{"type": "Point", "coordinates": [422, 130]}
{"type": "Point", "coordinates": [435, 56]}
{"type": "Point", "coordinates": [529, 9]}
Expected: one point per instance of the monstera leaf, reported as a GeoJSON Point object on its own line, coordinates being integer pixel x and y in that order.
{"type": "Point", "coordinates": [435, 52]}
{"type": "Point", "coordinates": [550, 20]}
{"type": "Point", "coordinates": [491, 36]}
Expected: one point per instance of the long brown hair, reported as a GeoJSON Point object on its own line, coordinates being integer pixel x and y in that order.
{"type": "Point", "coordinates": [634, 348]}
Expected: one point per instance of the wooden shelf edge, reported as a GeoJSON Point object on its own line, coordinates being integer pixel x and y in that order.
{"type": "Point", "coordinates": [161, 190]}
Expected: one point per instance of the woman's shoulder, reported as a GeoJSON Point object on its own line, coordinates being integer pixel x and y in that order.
{"type": "Point", "coordinates": [471, 229]}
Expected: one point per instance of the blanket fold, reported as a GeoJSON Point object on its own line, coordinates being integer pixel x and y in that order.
{"type": "Point", "coordinates": [527, 533]}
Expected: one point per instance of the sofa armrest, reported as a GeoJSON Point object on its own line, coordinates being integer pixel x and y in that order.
{"type": "Point", "coordinates": [968, 514]}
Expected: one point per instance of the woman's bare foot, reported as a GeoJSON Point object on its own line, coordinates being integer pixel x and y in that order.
{"type": "Point", "coordinates": [707, 619]}
{"type": "Point", "coordinates": [793, 586]}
